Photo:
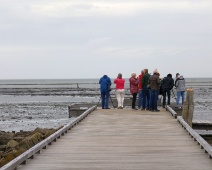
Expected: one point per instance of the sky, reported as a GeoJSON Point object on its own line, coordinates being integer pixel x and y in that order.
{"type": "Point", "coordinates": [63, 39]}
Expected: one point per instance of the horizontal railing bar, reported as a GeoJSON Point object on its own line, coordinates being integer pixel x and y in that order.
{"type": "Point", "coordinates": [35, 149]}
{"type": "Point", "coordinates": [204, 145]}
{"type": "Point", "coordinates": [49, 84]}
{"type": "Point", "coordinates": [174, 114]}
{"type": "Point", "coordinates": [196, 136]}
{"type": "Point", "coordinates": [187, 83]}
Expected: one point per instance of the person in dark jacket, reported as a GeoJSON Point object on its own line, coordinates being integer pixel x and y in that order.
{"type": "Point", "coordinates": [134, 89]}
{"type": "Point", "coordinates": [167, 85]}
{"type": "Point", "coordinates": [145, 90]}
{"type": "Point", "coordinates": [105, 84]}
{"type": "Point", "coordinates": [154, 91]}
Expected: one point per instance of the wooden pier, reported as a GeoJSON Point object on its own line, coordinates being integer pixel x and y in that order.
{"type": "Point", "coordinates": [112, 139]}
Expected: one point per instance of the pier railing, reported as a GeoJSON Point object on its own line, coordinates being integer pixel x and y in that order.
{"type": "Point", "coordinates": [29, 154]}
{"type": "Point", "coordinates": [22, 159]}
{"type": "Point", "coordinates": [79, 85]}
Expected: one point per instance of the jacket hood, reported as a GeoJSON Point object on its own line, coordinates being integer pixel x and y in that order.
{"type": "Point", "coordinates": [169, 75]}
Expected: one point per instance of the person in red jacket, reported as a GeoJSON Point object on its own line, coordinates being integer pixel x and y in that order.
{"type": "Point", "coordinates": [133, 89]}
{"type": "Point", "coordinates": [140, 89]}
{"type": "Point", "coordinates": [119, 81]}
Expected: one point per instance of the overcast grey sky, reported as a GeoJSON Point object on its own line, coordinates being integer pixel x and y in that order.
{"type": "Point", "coordinates": [88, 38]}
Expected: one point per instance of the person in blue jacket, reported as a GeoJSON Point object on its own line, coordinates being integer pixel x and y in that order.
{"type": "Point", "coordinates": [105, 84]}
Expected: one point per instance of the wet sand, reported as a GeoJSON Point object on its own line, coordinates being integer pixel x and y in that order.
{"type": "Point", "coordinates": [28, 116]}
{"type": "Point", "coordinates": [28, 108]}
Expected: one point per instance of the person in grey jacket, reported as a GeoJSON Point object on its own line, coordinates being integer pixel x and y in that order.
{"type": "Point", "coordinates": [180, 88]}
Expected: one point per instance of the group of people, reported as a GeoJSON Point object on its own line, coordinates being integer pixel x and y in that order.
{"type": "Point", "coordinates": [147, 87]}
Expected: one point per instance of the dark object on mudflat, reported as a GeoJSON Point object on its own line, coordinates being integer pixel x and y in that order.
{"type": "Point", "coordinates": [77, 109]}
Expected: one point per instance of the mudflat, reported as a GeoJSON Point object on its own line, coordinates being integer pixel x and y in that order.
{"type": "Point", "coordinates": [26, 108]}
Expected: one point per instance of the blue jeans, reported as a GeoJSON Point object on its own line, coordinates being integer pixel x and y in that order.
{"type": "Point", "coordinates": [154, 99]}
{"type": "Point", "coordinates": [180, 94]}
{"type": "Point", "coordinates": [146, 96]}
{"type": "Point", "coordinates": [105, 99]}
{"type": "Point", "coordinates": [139, 99]}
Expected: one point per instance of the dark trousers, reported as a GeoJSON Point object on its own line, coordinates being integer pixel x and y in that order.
{"type": "Point", "coordinates": [146, 97]}
{"type": "Point", "coordinates": [105, 99]}
{"type": "Point", "coordinates": [134, 100]}
{"type": "Point", "coordinates": [154, 99]}
{"type": "Point", "coordinates": [168, 92]}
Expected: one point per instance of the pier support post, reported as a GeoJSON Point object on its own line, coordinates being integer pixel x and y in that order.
{"type": "Point", "coordinates": [188, 107]}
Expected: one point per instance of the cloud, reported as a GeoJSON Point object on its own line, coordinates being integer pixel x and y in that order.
{"type": "Point", "coordinates": [126, 8]}
{"type": "Point", "coordinates": [81, 8]}
{"type": "Point", "coordinates": [103, 36]}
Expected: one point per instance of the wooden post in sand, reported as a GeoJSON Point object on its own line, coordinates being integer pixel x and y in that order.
{"type": "Point", "coordinates": [188, 107]}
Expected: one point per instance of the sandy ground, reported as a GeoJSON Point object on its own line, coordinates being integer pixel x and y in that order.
{"type": "Point", "coordinates": [16, 117]}
{"type": "Point", "coordinates": [26, 109]}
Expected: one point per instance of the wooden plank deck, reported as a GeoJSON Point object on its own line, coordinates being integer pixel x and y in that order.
{"type": "Point", "coordinates": [123, 139]}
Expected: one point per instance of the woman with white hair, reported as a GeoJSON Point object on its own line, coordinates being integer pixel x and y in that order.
{"type": "Point", "coordinates": [133, 89]}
